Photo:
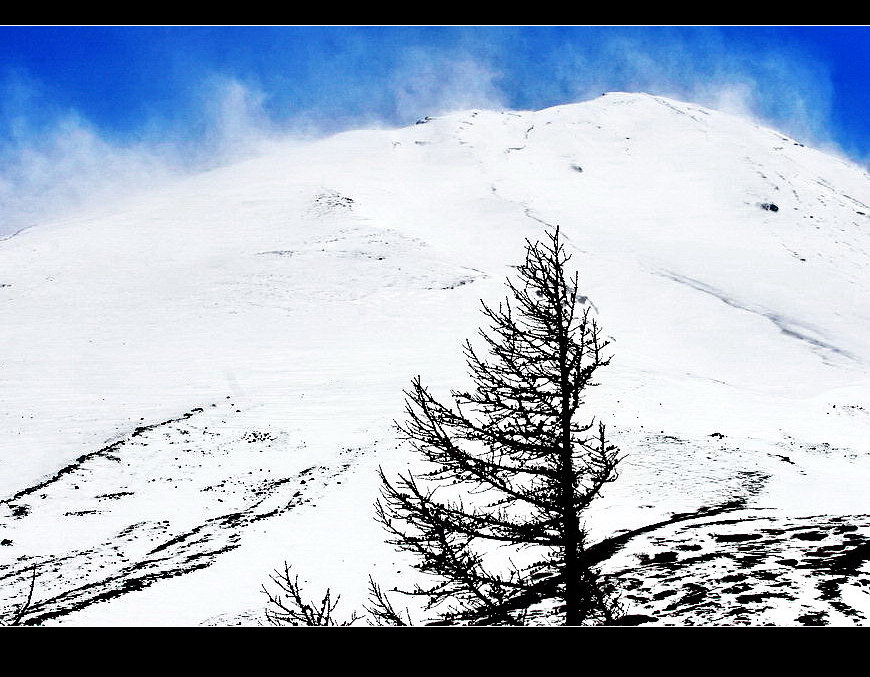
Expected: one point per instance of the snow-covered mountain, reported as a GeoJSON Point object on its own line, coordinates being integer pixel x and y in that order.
{"type": "Point", "coordinates": [199, 382]}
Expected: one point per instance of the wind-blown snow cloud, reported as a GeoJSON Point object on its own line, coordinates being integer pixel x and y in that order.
{"type": "Point", "coordinates": [233, 119]}
{"type": "Point", "coordinates": [435, 83]}
{"type": "Point", "coordinates": [55, 161]}
{"type": "Point", "coordinates": [313, 82]}
{"type": "Point", "coordinates": [773, 84]}
{"type": "Point", "coordinates": [69, 164]}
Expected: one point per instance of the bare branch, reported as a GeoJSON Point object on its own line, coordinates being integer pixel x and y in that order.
{"type": "Point", "coordinates": [289, 607]}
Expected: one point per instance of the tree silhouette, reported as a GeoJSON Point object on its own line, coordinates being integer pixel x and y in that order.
{"type": "Point", "coordinates": [509, 469]}
{"type": "Point", "coordinates": [289, 606]}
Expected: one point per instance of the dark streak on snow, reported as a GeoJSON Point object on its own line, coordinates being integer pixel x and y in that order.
{"type": "Point", "coordinates": [105, 452]}
{"type": "Point", "coordinates": [785, 325]}
{"type": "Point", "coordinates": [3, 238]}
{"type": "Point", "coordinates": [194, 549]}
{"type": "Point", "coordinates": [117, 564]}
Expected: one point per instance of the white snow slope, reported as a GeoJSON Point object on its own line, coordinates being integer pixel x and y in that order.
{"type": "Point", "coordinates": [198, 383]}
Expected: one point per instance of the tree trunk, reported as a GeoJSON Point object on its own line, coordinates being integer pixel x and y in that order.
{"type": "Point", "coordinates": [570, 528]}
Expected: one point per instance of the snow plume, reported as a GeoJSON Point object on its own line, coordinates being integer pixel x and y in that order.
{"type": "Point", "coordinates": [429, 82]}
{"type": "Point", "coordinates": [53, 161]}
{"type": "Point", "coordinates": [69, 165]}
{"type": "Point", "coordinates": [768, 82]}
{"type": "Point", "coordinates": [233, 119]}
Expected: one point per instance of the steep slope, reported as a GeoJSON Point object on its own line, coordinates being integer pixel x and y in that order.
{"type": "Point", "coordinates": [201, 381]}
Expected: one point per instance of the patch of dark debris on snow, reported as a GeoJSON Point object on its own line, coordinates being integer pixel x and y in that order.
{"type": "Point", "coordinates": [330, 202]}
{"type": "Point", "coordinates": [458, 283]}
{"type": "Point", "coordinates": [755, 569]}
{"type": "Point", "coordinates": [278, 252]}
{"type": "Point", "coordinates": [664, 468]}
{"type": "Point", "coordinates": [252, 617]}
{"type": "Point", "coordinates": [825, 449]}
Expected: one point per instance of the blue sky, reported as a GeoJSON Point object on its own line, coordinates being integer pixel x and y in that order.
{"type": "Point", "coordinates": [142, 101]}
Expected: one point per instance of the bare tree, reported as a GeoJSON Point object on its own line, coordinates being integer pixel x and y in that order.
{"type": "Point", "coordinates": [509, 468]}
{"type": "Point", "coordinates": [381, 610]}
{"type": "Point", "coordinates": [288, 606]}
